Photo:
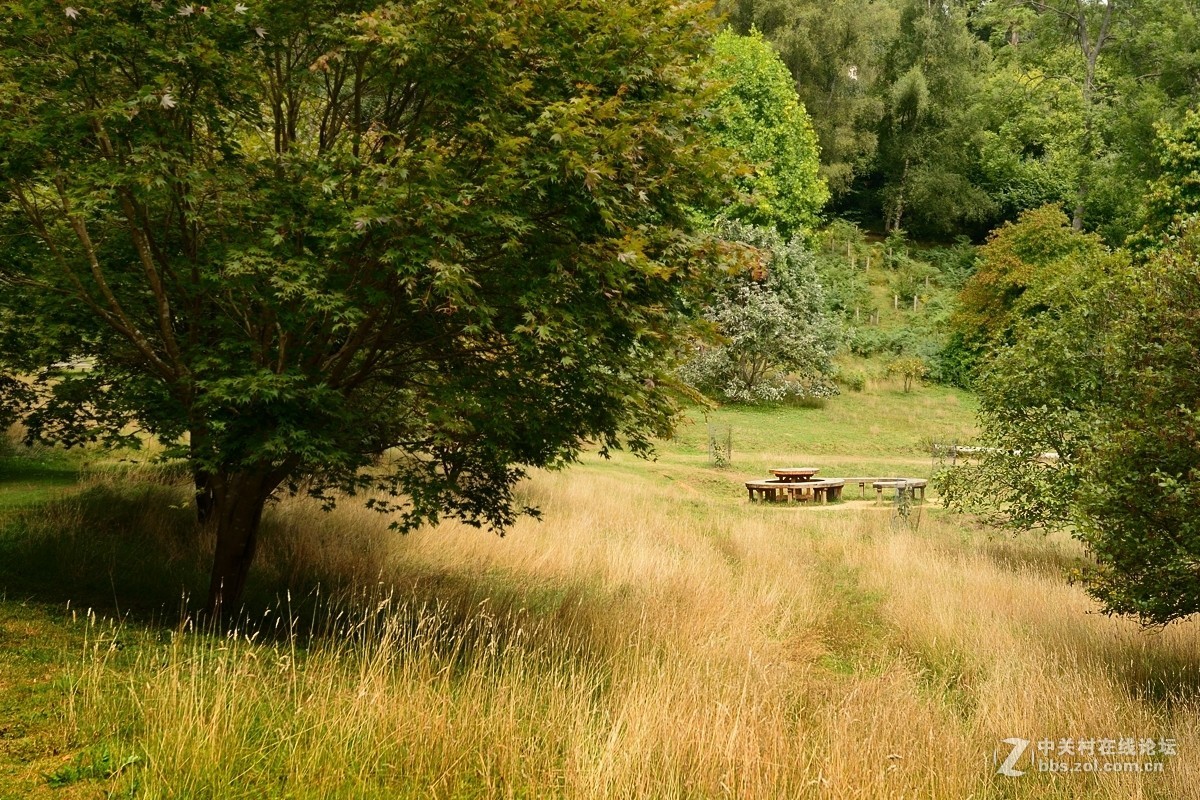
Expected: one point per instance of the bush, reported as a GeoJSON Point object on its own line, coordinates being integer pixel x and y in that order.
{"type": "Point", "coordinates": [912, 370]}
{"type": "Point", "coordinates": [854, 380]}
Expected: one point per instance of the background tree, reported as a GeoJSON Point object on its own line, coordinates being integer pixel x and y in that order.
{"type": "Point", "coordinates": [774, 338]}
{"type": "Point", "coordinates": [1173, 198]}
{"type": "Point", "coordinates": [1041, 384]}
{"type": "Point", "coordinates": [1030, 125]}
{"type": "Point", "coordinates": [1025, 103]}
{"type": "Point", "coordinates": [1029, 253]}
{"type": "Point", "coordinates": [758, 115]}
{"type": "Point", "coordinates": [925, 140]}
{"type": "Point", "coordinates": [405, 248]}
{"type": "Point", "coordinates": [1118, 68]}
{"type": "Point", "coordinates": [834, 51]}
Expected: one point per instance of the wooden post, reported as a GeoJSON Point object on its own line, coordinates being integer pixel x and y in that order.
{"type": "Point", "coordinates": [914, 302]}
{"type": "Point", "coordinates": [868, 269]}
{"type": "Point", "coordinates": [856, 315]}
{"type": "Point", "coordinates": [895, 302]}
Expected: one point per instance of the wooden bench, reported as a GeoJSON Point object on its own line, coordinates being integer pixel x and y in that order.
{"type": "Point", "coordinates": [917, 484]}
{"type": "Point", "coordinates": [909, 485]}
{"type": "Point", "coordinates": [822, 491]}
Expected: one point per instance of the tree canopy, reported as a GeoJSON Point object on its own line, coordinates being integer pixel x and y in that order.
{"type": "Point", "coordinates": [407, 248]}
{"type": "Point", "coordinates": [951, 118]}
{"type": "Point", "coordinates": [1139, 482]}
{"type": "Point", "coordinates": [757, 114]}
{"type": "Point", "coordinates": [1088, 401]}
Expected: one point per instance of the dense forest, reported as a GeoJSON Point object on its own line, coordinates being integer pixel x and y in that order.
{"type": "Point", "coordinates": [948, 118]}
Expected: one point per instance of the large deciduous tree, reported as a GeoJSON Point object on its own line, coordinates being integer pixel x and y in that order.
{"type": "Point", "coordinates": [1139, 484]}
{"type": "Point", "coordinates": [1045, 373]}
{"type": "Point", "coordinates": [1093, 356]}
{"type": "Point", "coordinates": [834, 50]}
{"type": "Point", "coordinates": [1018, 256]}
{"type": "Point", "coordinates": [406, 248]}
{"type": "Point", "coordinates": [926, 148]}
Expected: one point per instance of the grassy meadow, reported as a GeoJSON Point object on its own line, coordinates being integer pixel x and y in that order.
{"type": "Point", "coordinates": [654, 636]}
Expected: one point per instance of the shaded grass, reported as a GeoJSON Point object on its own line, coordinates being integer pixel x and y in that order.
{"type": "Point", "coordinates": [28, 480]}
{"type": "Point", "coordinates": [36, 736]}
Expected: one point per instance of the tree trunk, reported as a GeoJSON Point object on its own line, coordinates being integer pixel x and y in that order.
{"type": "Point", "coordinates": [1091, 55]}
{"type": "Point", "coordinates": [206, 498]}
{"type": "Point", "coordinates": [239, 498]}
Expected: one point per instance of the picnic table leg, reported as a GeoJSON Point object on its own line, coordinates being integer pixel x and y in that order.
{"type": "Point", "coordinates": [878, 495]}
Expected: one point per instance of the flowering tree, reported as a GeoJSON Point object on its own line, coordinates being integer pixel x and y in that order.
{"type": "Point", "coordinates": [774, 338]}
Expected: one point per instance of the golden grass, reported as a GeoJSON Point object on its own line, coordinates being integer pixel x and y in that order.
{"type": "Point", "coordinates": [648, 642]}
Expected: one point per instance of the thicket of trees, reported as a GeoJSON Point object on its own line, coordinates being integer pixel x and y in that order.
{"type": "Point", "coordinates": [952, 117]}
{"type": "Point", "coordinates": [1089, 353]}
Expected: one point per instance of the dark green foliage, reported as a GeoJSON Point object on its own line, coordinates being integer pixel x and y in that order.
{"type": "Point", "coordinates": [1140, 481]}
{"type": "Point", "coordinates": [1097, 369]}
{"type": "Point", "coordinates": [954, 264]}
{"type": "Point", "coordinates": [14, 397]}
{"type": "Point", "coordinates": [951, 118]}
{"type": "Point", "coordinates": [834, 50]}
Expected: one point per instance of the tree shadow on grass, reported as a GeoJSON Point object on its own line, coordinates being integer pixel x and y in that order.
{"type": "Point", "coordinates": [1150, 667]}
{"type": "Point", "coordinates": [131, 549]}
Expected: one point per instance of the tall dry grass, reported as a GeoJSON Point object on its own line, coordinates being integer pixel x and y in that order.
{"type": "Point", "coordinates": [649, 641]}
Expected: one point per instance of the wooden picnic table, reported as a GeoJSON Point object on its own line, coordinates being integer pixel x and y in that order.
{"type": "Point", "coordinates": [793, 474]}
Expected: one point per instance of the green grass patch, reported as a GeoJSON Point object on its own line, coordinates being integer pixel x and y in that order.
{"type": "Point", "coordinates": [29, 480]}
